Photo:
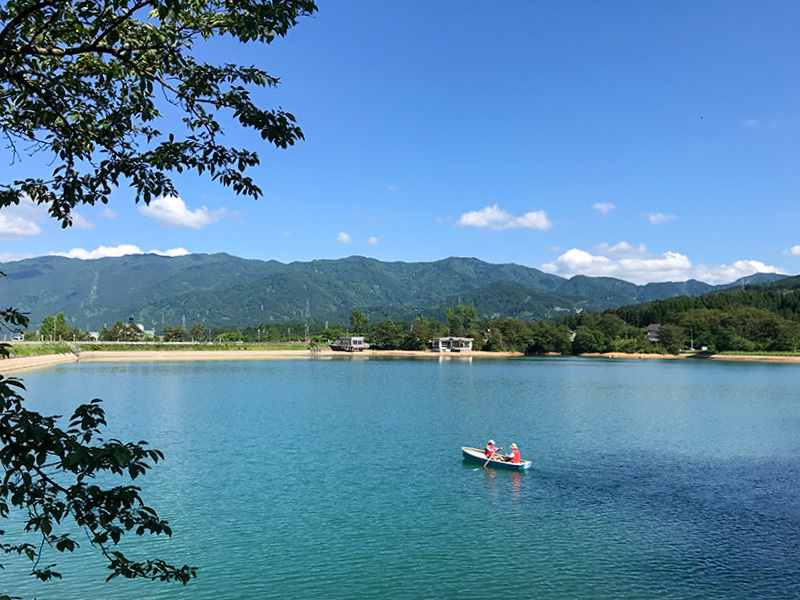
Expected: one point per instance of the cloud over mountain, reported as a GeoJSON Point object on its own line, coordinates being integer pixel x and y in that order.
{"type": "Point", "coordinates": [171, 211]}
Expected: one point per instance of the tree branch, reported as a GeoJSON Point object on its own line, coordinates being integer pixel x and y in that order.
{"type": "Point", "coordinates": [20, 18]}
{"type": "Point", "coordinates": [121, 19]}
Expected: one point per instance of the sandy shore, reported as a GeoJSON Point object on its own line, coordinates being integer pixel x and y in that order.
{"type": "Point", "coordinates": [727, 357]}
{"type": "Point", "coordinates": [26, 363]}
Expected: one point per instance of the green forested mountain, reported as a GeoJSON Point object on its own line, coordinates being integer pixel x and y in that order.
{"type": "Point", "coordinates": [222, 290]}
{"type": "Point", "coordinates": [780, 297]}
{"type": "Point", "coordinates": [758, 318]}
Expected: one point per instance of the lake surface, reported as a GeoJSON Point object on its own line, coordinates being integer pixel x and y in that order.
{"type": "Point", "coordinates": [343, 479]}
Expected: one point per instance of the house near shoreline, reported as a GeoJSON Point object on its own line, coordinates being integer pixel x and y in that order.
{"type": "Point", "coordinates": [451, 344]}
{"type": "Point", "coordinates": [349, 343]}
{"type": "Point", "coordinates": [652, 332]}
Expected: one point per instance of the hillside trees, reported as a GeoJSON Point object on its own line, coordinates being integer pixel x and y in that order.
{"type": "Point", "coordinates": [174, 334]}
{"type": "Point", "coordinates": [754, 320]}
{"type": "Point", "coordinates": [198, 332]}
{"type": "Point", "coordinates": [228, 337]}
{"type": "Point", "coordinates": [359, 323]}
{"type": "Point", "coordinates": [121, 332]}
{"type": "Point", "coordinates": [763, 319]}
{"type": "Point", "coordinates": [386, 335]}
{"type": "Point", "coordinates": [672, 337]}
{"type": "Point", "coordinates": [80, 87]}
{"type": "Point", "coordinates": [462, 321]}
{"type": "Point", "coordinates": [56, 329]}
{"type": "Point", "coordinates": [588, 341]}
{"type": "Point", "coordinates": [47, 330]}
{"type": "Point", "coordinates": [510, 335]}
{"type": "Point", "coordinates": [421, 331]}
{"type": "Point", "coordinates": [546, 337]}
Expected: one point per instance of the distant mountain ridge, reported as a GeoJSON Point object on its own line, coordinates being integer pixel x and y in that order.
{"type": "Point", "coordinates": [221, 290]}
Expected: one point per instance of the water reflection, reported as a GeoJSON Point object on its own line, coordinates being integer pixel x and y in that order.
{"type": "Point", "coordinates": [516, 489]}
{"type": "Point", "coordinates": [502, 481]}
{"type": "Point", "coordinates": [444, 358]}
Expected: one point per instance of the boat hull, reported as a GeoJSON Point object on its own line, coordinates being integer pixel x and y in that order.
{"type": "Point", "coordinates": [476, 455]}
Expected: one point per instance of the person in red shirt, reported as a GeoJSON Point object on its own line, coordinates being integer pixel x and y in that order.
{"type": "Point", "coordinates": [490, 449]}
{"type": "Point", "coordinates": [514, 456]}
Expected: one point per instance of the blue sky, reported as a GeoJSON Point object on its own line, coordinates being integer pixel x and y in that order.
{"type": "Point", "coordinates": [638, 140]}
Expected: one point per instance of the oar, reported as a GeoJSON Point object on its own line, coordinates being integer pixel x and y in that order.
{"type": "Point", "coordinates": [490, 458]}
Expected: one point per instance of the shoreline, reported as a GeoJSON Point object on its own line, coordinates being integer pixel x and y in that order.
{"type": "Point", "coordinates": [28, 363]}
{"type": "Point", "coordinates": [763, 358]}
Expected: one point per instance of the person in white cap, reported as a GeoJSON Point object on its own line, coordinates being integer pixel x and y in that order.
{"type": "Point", "coordinates": [490, 449]}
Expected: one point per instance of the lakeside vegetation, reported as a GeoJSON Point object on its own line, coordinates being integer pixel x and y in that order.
{"type": "Point", "coordinates": [762, 320]}
{"type": "Point", "coordinates": [25, 349]}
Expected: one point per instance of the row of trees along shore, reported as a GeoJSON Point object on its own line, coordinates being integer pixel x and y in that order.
{"type": "Point", "coordinates": [730, 321]}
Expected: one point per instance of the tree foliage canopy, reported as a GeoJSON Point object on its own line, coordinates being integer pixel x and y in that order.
{"type": "Point", "coordinates": [359, 323]}
{"type": "Point", "coordinates": [80, 82]}
{"type": "Point", "coordinates": [83, 84]}
{"type": "Point", "coordinates": [121, 332]}
{"type": "Point", "coordinates": [50, 477]}
{"type": "Point", "coordinates": [49, 473]}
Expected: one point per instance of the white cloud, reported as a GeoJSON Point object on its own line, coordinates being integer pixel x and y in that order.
{"type": "Point", "coordinates": [343, 237]}
{"type": "Point", "coordinates": [752, 124]}
{"type": "Point", "coordinates": [15, 228]}
{"type": "Point", "coordinates": [101, 252]}
{"type": "Point", "coordinates": [635, 264]}
{"type": "Point", "coordinates": [107, 213]}
{"type": "Point", "coordinates": [81, 222]}
{"type": "Point", "coordinates": [739, 269]}
{"type": "Point", "coordinates": [621, 250]}
{"type": "Point", "coordinates": [22, 220]}
{"type": "Point", "coordinates": [372, 241]}
{"type": "Point", "coordinates": [117, 251]}
{"type": "Point", "coordinates": [793, 251]}
{"type": "Point", "coordinates": [659, 218]}
{"type": "Point", "coordinates": [604, 207]}
{"type": "Point", "coordinates": [172, 252]}
{"type": "Point", "coordinates": [171, 211]}
{"type": "Point", "coordinates": [495, 218]}
{"type": "Point", "coordinates": [670, 266]}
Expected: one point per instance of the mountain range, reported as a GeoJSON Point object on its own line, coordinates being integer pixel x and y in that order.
{"type": "Point", "coordinates": [220, 290]}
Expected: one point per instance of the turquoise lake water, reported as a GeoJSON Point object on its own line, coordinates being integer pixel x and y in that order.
{"type": "Point", "coordinates": [343, 479]}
